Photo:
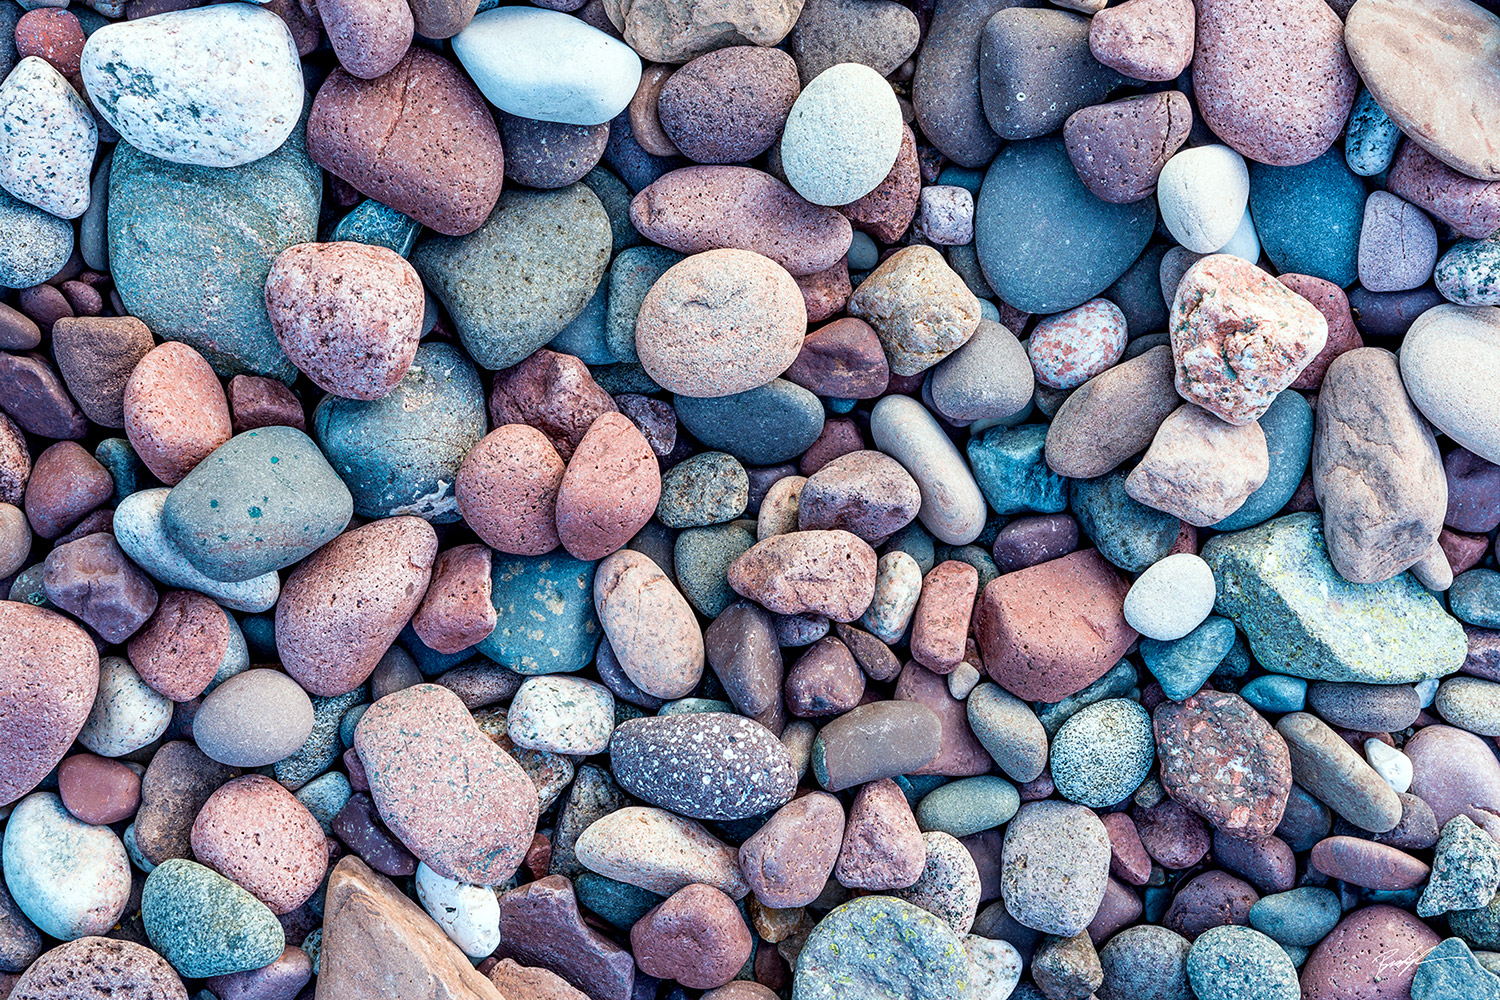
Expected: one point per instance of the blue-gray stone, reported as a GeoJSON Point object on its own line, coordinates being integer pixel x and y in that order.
{"type": "Point", "coordinates": [1300, 917]}
{"type": "Point", "coordinates": [1012, 473]}
{"type": "Point", "coordinates": [1126, 532]}
{"type": "Point", "coordinates": [915, 541]}
{"type": "Point", "coordinates": [191, 246]}
{"type": "Point", "coordinates": [349, 721]}
{"type": "Point", "coordinates": [881, 948]}
{"type": "Point", "coordinates": [620, 903]}
{"type": "Point", "coordinates": [124, 465]}
{"type": "Point", "coordinates": [400, 454]}
{"type": "Point", "coordinates": [1239, 963]}
{"type": "Point", "coordinates": [429, 660]}
{"type": "Point", "coordinates": [1308, 217]}
{"type": "Point", "coordinates": [1451, 972]}
{"type": "Point", "coordinates": [1301, 617]}
{"type": "Point", "coordinates": [763, 426]}
{"type": "Point", "coordinates": [34, 245]}
{"type": "Point", "coordinates": [584, 338]}
{"type": "Point", "coordinates": [1371, 138]}
{"type": "Point", "coordinates": [1103, 753]}
{"type": "Point", "coordinates": [1045, 242]}
{"type": "Point", "coordinates": [703, 489]}
{"type": "Point", "coordinates": [1276, 693]}
{"type": "Point", "coordinates": [1182, 665]}
{"type": "Point", "coordinates": [700, 560]}
{"type": "Point", "coordinates": [325, 797]}
{"type": "Point", "coordinates": [515, 282]}
{"type": "Point", "coordinates": [1288, 426]}
{"type": "Point", "coordinates": [630, 278]}
{"type": "Point", "coordinates": [378, 225]}
{"type": "Point", "coordinates": [695, 706]}
{"type": "Point", "coordinates": [616, 199]}
{"type": "Point", "coordinates": [969, 805]}
{"type": "Point", "coordinates": [260, 636]}
{"type": "Point", "coordinates": [970, 180]}
{"type": "Point", "coordinates": [204, 924]}
{"type": "Point", "coordinates": [1469, 273]}
{"type": "Point", "coordinates": [260, 502]}
{"type": "Point", "coordinates": [624, 377]}
{"type": "Point", "coordinates": [1138, 293]}
{"type": "Point", "coordinates": [1117, 682]}
{"type": "Point", "coordinates": [1474, 598]}
{"type": "Point", "coordinates": [545, 611]}
{"type": "Point", "coordinates": [323, 745]}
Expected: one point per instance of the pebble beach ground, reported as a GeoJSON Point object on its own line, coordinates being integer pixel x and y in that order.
{"type": "Point", "coordinates": [749, 500]}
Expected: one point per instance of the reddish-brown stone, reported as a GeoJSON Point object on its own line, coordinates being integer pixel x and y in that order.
{"type": "Point", "coordinates": [66, 484]}
{"type": "Point", "coordinates": [1174, 837]}
{"type": "Point", "coordinates": [540, 925]}
{"type": "Point", "coordinates": [552, 392]}
{"type": "Point", "coordinates": [1330, 300]}
{"type": "Point", "coordinates": [1365, 863]}
{"type": "Point", "coordinates": [255, 401]}
{"type": "Point", "coordinates": [788, 861]}
{"type": "Point", "coordinates": [1212, 899]}
{"type": "Point", "coordinates": [183, 645]}
{"type": "Point", "coordinates": [98, 790]}
{"type": "Point", "coordinates": [457, 613]}
{"type": "Point", "coordinates": [92, 579]}
{"type": "Point", "coordinates": [960, 753]}
{"type": "Point", "coordinates": [883, 847]}
{"type": "Point", "coordinates": [175, 411]}
{"type": "Point", "coordinates": [258, 835]}
{"type": "Point", "coordinates": [843, 359]}
{"type": "Point", "coordinates": [940, 625]}
{"type": "Point", "coordinates": [697, 937]}
{"type": "Point", "coordinates": [886, 212]}
{"type": "Point", "coordinates": [507, 490]}
{"type": "Point", "coordinates": [609, 490]}
{"type": "Point", "coordinates": [51, 34]}
{"type": "Point", "coordinates": [1372, 954]}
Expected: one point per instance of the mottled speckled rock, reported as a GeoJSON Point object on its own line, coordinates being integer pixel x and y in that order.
{"type": "Point", "coordinates": [1236, 963]}
{"type": "Point", "coordinates": [1277, 584]}
{"type": "Point", "coordinates": [1373, 952]}
{"type": "Point", "coordinates": [609, 490]}
{"type": "Point", "coordinates": [506, 490]}
{"type": "Point", "coordinates": [204, 924]}
{"type": "Point", "coordinates": [175, 411]}
{"type": "Point", "coordinates": [458, 801]}
{"type": "Point", "coordinates": [196, 110]}
{"type": "Point", "coordinates": [1222, 760]}
{"type": "Point", "coordinates": [1054, 867]}
{"type": "Point", "coordinates": [555, 590]}
{"type": "Point", "coordinates": [788, 861]}
{"type": "Point", "coordinates": [343, 606]}
{"type": "Point", "coordinates": [45, 654]}
{"type": "Point", "coordinates": [97, 968]}
{"type": "Point", "coordinates": [710, 766]}
{"type": "Point", "coordinates": [881, 948]}
{"type": "Point", "coordinates": [47, 139]}
{"type": "Point", "coordinates": [70, 879]}
{"type": "Point", "coordinates": [1102, 753]}
{"type": "Point", "coordinates": [842, 135]}
{"type": "Point", "coordinates": [1119, 148]}
{"type": "Point", "coordinates": [255, 833]}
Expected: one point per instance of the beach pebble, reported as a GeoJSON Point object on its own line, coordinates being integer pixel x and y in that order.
{"type": "Point", "coordinates": [255, 833]}
{"type": "Point", "coordinates": [97, 790]}
{"type": "Point", "coordinates": [915, 952]}
{"type": "Point", "coordinates": [47, 139]}
{"type": "Point", "coordinates": [952, 507]}
{"type": "Point", "coordinates": [1238, 962]}
{"type": "Point", "coordinates": [156, 100]}
{"type": "Point", "coordinates": [650, 625]}
{"type": "Point", "coordinates": [127, 714]}
{"type": "Point", "coordinates": [1373, 950]}
{"type": "Point", "coordinates": [1202, 193]}
{"type": "Point", "coordinates": [468, 914]}
{"type": "Point", "coordinates": [1448, 394]}
{"type": "Point", "coordinates": [175, 411]}
{"type": "Point", "coordinates": [1200, 468]}
{"type": "Point", "coordinates": [1144, 39]}
{"type": "Point", "coordinates": [94, 968]}
{"type": "Point", "coordinates": [1102, 753]}
{"type": "Point", "coordinates": [1397, 245]}
{"type": "Point", "coordinates": [36, 243]}
{"type": "Point", "coordinates": [729, 105]}
{"type": "Point", "coordinates": [1068, 349]}
{"type": "Point", "coordinates": [609, 490]}
{"type": "Point", "coordinates": [561, 714]}
{"type": "Point", "coordinates": [1035, 69]}
{"type": "Point", "coordinates": [204, 924]}
{"type": "Point", "coordinates": [918, 306]}
{"type": "Point", "coordinates": [696, 937]}
{"type": "Point", "coordinates": [789, 859]}
{"type": "Point", "coordinates": [507, 487]}
{"type": "Point", "coordinates": [254, 718]}
{"type": "Point", "coordinates": [1054, 868]}
{"type": "Point", "coordinates": [70, 879]}
{"type": "Point", "coordinates": [1120, 148]}
{"type": "Point", "coordinates": [842, 135]}
{"type": "Point", "coordinates": [1171, 598]}
{"type": "Point", "coordinates": [659, 851]}
{"type": "Point", "coordinates": [90, 577]}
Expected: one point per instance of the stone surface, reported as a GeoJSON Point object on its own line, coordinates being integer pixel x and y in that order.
{"type": "Point", "coordinates": [1450, 395]}
{"type": "Point", "coordinates": [47, 139]}
{"type": "Point", "coordinates": [70, 879]}
{"type": "Point", "coordinates": [915, 954]}
{"type": "Point", "coordinates": [94, 968]}
{"type": "Point", "coordinates": [659, 851]}
{"type": "Point", "coordinates": [1119, 149]}
{"type": "Point", "coordinates": [842, 135]}
{"type": "Point", "coordinates": [1199, 468]}
{"type": "Point", "coordinates": [1138, 394]}
{"type": "Point", "coordinates": [1054, 867]}
{"type": "Point", "coordinates": [204, 924]}
{"type": "Point", "coordinates": [1373, 952]}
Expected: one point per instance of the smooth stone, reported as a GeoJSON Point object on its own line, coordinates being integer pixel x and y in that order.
{"type": "Point", "coordinates": [188, 264]}
{"type": "Point", "coordinates": [657, 850]}
{"type": "Point", "coordinates": [1448, 357]}
{"type": "Point", "coordinates": [1036, 69]}
{"type": "Point", "coordinates": [204, 924]}
{"type": "Point", "coordinates": [916, 956]}
{"type": "Point", "coordinates": [987, 377]}
{"type": "Point", "coordinates": [1045, 242]}
{"type": "Point", "coordinates": [1309, 217]}
{"type": "Point", "coordinates": [555, 591]}
{"type": "Point", "coordinates": [1183, 665]}
{"type": "Point", "coordinates": [69, 878]}
{"type": "Point", "coordinates": [468, 914]}
{"type": "Point", "coordinates": [945, 88]}
{"type": "Point", "coordinates": [1288, 427]}
{"type": "Point", "coordinates": [1398, 245]}
{"type": "Point", "coordinates": [1327, 767]}
{"type": "Point", "coordinates": [952, 507]}
{"type": "Point", "coordinates": [1151, 40]}
{"type": "Point", "coordinates": [47, 139]}
{"type": "Point", "coordinates": [1276, 582]}
{"type": "Point", "coordinates": [127, 713]}
{"type": "Point", "coordinates": [141, 533]}
{"type": "Point", "coordinates": [52, 659]}
{"type": "Point", "coordinates": [1125, 531]}
{"type": "Point", "coordinates": [254, 718]}
{"type": "Point", "coordinates": [1054, 867]}
{"type": "Point", "coordinates": [36, 243]}
{"type": "Point", "coordinates": [1371, 137]}
{"type": "Point", "coordinates": [1299, 917]}
{"type": "Point", "coordinates": [1009, 731]}
{"type": "Point", "coordinates": [1202, 193]}
{"type": "Point", "coordinates": [1377, 708]}
{"type": "Point", "coordinates": [728, 106]}
{"type": "Point", "coordinates": [918, 306]}
{"type": "Point", "coordinates": [96, 968]}
{"type": "Point", "coordinates": [95, 356]}
{"type": "Point", "coordinates": [1238, 963]}
{"type": "Point", "coordinates": [192, 111]}
{"type": "Point", "coordinates": [1103, 753]}
{"type": "Point", "coordinates": [536, 44]}
{"type": "Point", "coordinates": [1145, 962]}
{"type": "Point", "coordinates": [1407, 57]}
{"type": "Point", "coordinates": [665, 657]}
{"type": "Point", "coordinates": [968, 806]}
{"type": "Point", "coordinates": [91, 578]}
{"type": "Point", "coordinates": [538, 258]}
{"type": "Point", "coordinates": [1171, 598]}
{"type": "Point", "coordinates": [763, 426]}
{"type": "Point", "coordinates": [881, 35]}
{"type": "Point", "coordinates": [842, 135]}
{"type": "Point", "coordinates": [1138, 394]}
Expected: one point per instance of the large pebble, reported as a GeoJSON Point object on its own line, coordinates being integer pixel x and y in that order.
{"type": "Point", "coordinates": [1329, 768]}
{"type": "Point", "coordinates": [1222, 760]}
{"type": "Point", "coordinates": [1035, 69]}
{"type": "Point", "coordinates": [69, 878]}
{"type": "Point", "coordinates": [1373, 952]}
{"type": "Point", "coordinates": [547, 65]}
{"type": "Point", "coordinates": [952, 507]}
{"type": "Point", "coordinates": [1120, 148]}
{"type": "Point", "coordinates": [728, 106]}
{"type": "Point", "coordinates": [711, 765]}
{"type": "Point", "coordinates": [788, 861]}
{"type": "Point", "coordinates": [945, 88]}
{"type": "Point", "coordinates": [225, 111]}
{"type": "Point", "coordinates": [36, 243]}
{"type": "Point", "coordinates": [507, 490]}
{"type": "Point", "coordinates": [1274, 83]}
{"type": "Point", "coordinates": [562, 715]}
{"type": "Point", "coordinates": [919, 307]}
{"type": "Point", "coordinates": [666, 33]}
{"type": "Point", "coordinates": [468, 914]}
{"type": "Point", "coordinates": [881, 947]}
{"type": "Point", "coordinates": [1308, 217]}
{"type": "Point", "coordinates": [1102, 753]}
{"type": "Point", "coordinates": [254, 718]}
{"type": "Point", "coordinates": [90, 578]}
{"type": "Point", "coordinates": [830, 573]}
{"type": "Point", "coordinates": [719, 323]}
{"type": "Point", "coordinates": [1448, 358]}
{"type": "Point", "coordinates": [1171, 598]}
{"type": "Point", "coordinates": [418, 139]}
{"type": "Point", "coordinates": [458, 801]}
{"type": "Point", "coordinates": [555, 590]}
{"type": "Point", "coordinates": [764, 426]}
{"type": "Point", "coordinates": [47, 139]}
{"type": "Point", "coordinates": [204, 924]}
{"type": "Point", "coordinates": [842, 135]}
{"type": "Point", "coordinates": [175, 411]}
{"type": "Point", "coordinates": [343, 606]}
{"type": "Point", "coordinates": [96, 968]}
{"type": "Point", "coordinates": [660, 852]}
{"type": "Point", "coordinates": [1233, 962]}
{"type": "Point", "coordinates": [49, 656]}
{"type": "Point", "coordinates": [1054, 867]}
{"type": "Point", "coordinates": [1137, 395]}
{"type": "Point", "coordinates": [253, 832]}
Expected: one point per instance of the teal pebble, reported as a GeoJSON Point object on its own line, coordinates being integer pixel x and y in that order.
{"type": "Point", "coordinates": [429, 661]}
{"type": "Point", "coordinates": [124, 466]}
{"type": "Point", "coordinates": [400, 454]}
{"type": "Point", "coordinates": [624, 377]}
{"type": "Point", "coordinates": [1126, 532]}
{"type": "Point", "coordinates": [916, 787]}
{"type": "Point", "coordinates": [204, 924]}
{"type": "Point", "coordinates": [616, 198]}
{"type": "Point", "coordinates": [325, 797]}
{"type": "Point", "coordinates": [1276, 693]}
{"type": "Point", "coordinates": [773, 423]}
{"type": "Point", "coordinates": [1474, 598]}
{"type": "Point", "coordinates": [1469, 273]}
{"type": "Point", "coordinates": [970, 180]}
{"type": "Point", "coordinates": [968, 805]}
{"type": "Point", "coordinates": [584, 338]}
{"type": "Point", "coordinates": [694, 706]}
{"type": "Point", "coordinates": [619, 903]}
{"type": "Point", "coordinates": [1371, 140]}
{"type": "Point", "coordinates": [1300, 917]}
{"type": "Point", "coordinates": [260, 637]}
{"type": "Point", "coordinates": [881, 948]}
{"type": "Point", "coordinates": [377, 225]}
{"type": "Point", "coordinates": [27, 588]}
{"type": "Point", "coordinates": [1182, 665]}
{"type": "Point", "coordinates": [1451, 972]}
{"type": "Point", "coordinates": [349, 721]}
{"type": "Point", "coordinates": [708, 488]}
{"type": "Point", "coordinates": [915, 541]}
{"type": "Point", "coordinates": [1288, 426]}
{"type": "Point", "coordinates": [700, 560]}
{"type": "Point", "coordinates": [1231, 962]}
{"type": "Point", "coordinates": [1013, 474]}
{"type": "Point", "coordinates": [1237, 662]}
{"type": "Point", "coordinates": [841, 405]}
{"type": "Point", "coordinates": [545, 611]}
{"type": "Point", "coordinates": [1308, 217]}
{"type": "Point", "coordinates": [1118, 682]}
{"type": "Point", "coordinates": [630, 277]}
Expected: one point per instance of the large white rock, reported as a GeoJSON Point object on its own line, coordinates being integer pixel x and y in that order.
{"type": "Point", "coordinates": [47, 139]}
{"type": "Point", "coordinates": [468, 914]}
{"type": "Point", "coordinates": [548, 65]}
{"type": "Point", "coordinates": [1202, 193]}
{"type": "Point", "coordinates": [216, 86]}
{"type": "Point", "coordinates": [1450, 364]}
{"type": "Point", "coordinates": [842, 136]}
{"type": "Point", "coordinates": [71, 879]}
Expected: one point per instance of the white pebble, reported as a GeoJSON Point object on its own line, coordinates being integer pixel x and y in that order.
{"type": "Point", "coordinates": [562, 715]}
{"type": "Point", "coordinates": [1427, 690]}
{"type": "Point", "coordinates": [468, 914]}
{"type": "Point", "coordinates": [962, 680]}
{"type": "Point", "coordinates": [994, 967]}
{"type": "Point", "coordinates": [1171, 598]}
{"type": "Point", "coordinates": [1244, 244]}
{"type": "Point", "coordinates": [1202, 193]}
{"type": "Point", "coordinates": [127, 714]}
{"type": "Point", "coordinates": [1390, 763]}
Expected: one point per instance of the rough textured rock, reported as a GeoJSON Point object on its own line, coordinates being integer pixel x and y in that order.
{"type": "Point", "coordinates": [1221, 759]}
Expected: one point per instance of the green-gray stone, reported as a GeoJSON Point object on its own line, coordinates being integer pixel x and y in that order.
{"type": "Point", "coordinates": [708, 488]}
{"type": "Point", "coordinates": [1126, 532]}
{"type": "Point", "coordinates": [520, 278]}
{"type": "Point", "coordinates": [968, 805]}
{"type": "Point", "coordinates": [1451, 972]}
{"type": "Point", "coordinates": [616, 197]}
{"type": "Point", "coordinates": [259, 502]}
{"type": "Point", "coordinates": [700, 560]}
{"type": "Point", "coordinates": [545, 614]}
{"type": "Point", "coordinates": [204, 924]}
{"type": "Point", "coordinates": [619, 903]}
{"type": "Point", "coordinates": [881, 948]}
{"type": "Point", "coordinates": [191, 246]}
{"type": "Point", "coordinates": [1465, 869]}
{"type": "Point", "coordinates": [379, 225]}
{"type": "Point", "coordinates": [1299, 917]}
{"type": "Point", "coordinates": [1301, 617]}
{"type": "Point", "coordinates": [763, 426]}
{"type": "Point", "coordinates": [630, 278]}
{"type": "Point", "coordinates": [1011, 472]}
{"type": "Point", "coordinates": [1237, 963]}
{"type": "Point", "coordinates": [323, 744]}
